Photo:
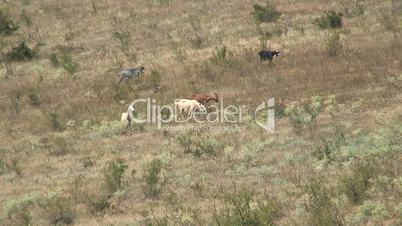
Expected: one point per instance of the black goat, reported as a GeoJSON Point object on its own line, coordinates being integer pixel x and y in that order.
{"type": "Point", "coordinates": [268, 55]}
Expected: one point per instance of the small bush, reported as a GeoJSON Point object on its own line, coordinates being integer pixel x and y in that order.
{"type": "Point", "coordinates": [18, 211]}
{"type": "Point", "coordinates": [197, 144]}
{"type": "Point", "coordinates": [15, 166]}
{"type": "Point", "coordinates": [220, 53]}
{"type": "Point", "coordinates": [54, 59]}
{"type": "Point", "coordinates": [356, 185]}
{"type": "Point", "coordinates": [333, 45]}
{"type": "Point", "coordinates": [15, 99]}
{"type": "Point", "coordinates": [154, 182]}
{"type": "Point", "coordinates": [111, 128]}
{"type": "Point", "coordinates": [123, 37]}
{"type": "Point", "coordinates": [267, 13]}
{"type": "Point", "coordinates": [20, 53]}
{"type": "Point", "coordinates": [7, 26]}
{"type": "Point", "coordinates": [185, 140]}
{"type": "Point", "coordinates": [59, 211]}
{"type": "Point", "coordinates": [353, 7]}
{"type": "Point", "coordinates": [321, 210]}
{"type": "Point", "coordinates": [329, 20]}
{"type": "Point", "coordinates": [33, 95]}
{"type": "Point", "coordinates": [371, 213]}
{"type": "Point", "coordinates": [155, 80]}
{"type": "Point", "coordinates": [60, 146]}
{"type": "Point", "coordinates": [2, 167]}
{"type": "Point", "coordinates": [120, 92]}
{"type": "Point", "coordinates": [56, 209]}
{"type": "Point", "coordinates": [55, 121]}
{"type": "Point", "coordinates": [196, 41]}
{"type": "Point", "coordinates": [242, 209]}
{"type": "Point", "coordinates": [390, 22]}
{"type": "Point", "coordinates": [69, 64]}
{"type": "Point", "coordinates": [113, 175]}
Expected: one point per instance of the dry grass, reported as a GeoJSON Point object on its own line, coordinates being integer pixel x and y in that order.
{"type": "Point", "coordinates": [59, 129]}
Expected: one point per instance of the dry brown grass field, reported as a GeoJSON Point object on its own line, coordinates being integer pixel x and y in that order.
{"type": "Point", "coordinates": [334, 158]}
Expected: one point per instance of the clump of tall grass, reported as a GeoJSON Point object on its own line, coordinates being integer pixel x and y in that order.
{"type": "Point", "coordinates": [267, 13]}
{"type": "Point", "coordinates": [7, 26]}
{"type": "Point", "coordinates": [243, 208]}
{"type": "Point", "coordinates": [329, 20]}
{"type": "Point", "coordinates": [20, 53]}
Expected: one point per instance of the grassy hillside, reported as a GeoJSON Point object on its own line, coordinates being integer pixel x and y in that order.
{"type": "Point", "coordinates": [334, 159]}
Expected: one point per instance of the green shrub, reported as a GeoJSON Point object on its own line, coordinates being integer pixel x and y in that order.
{"type": "Point", "coordinates": [267, 13]}
{"type": "Point", "coordinates": [204, 146]}
{"type": "Point", "coordinates": [356, 184]}
{"type": "Point", "coordinates": [59, 211]}
{"type": "Point", "coordinates": [220, 54]}
{"type": "Point", "coordinates": [154, 182]}
{"type": "Point", "coordinates": [197, 144]}
{"type": "Point", "coordinates": [329, 20]}
{"type": "Point", "coordinates": [69, 64]}
{"type": "Point", "coordinates": [327, 150]}
{"type": "Point", "coordinates": [371, 213]}
{"type": "Point", "coordinates": [110, 128]}
{"type": "Point", "coordinates": [55, 208]}
{"type": "Point", "coordinates": [18, 211]}
{"type": "Point", "coordinates": [243, 209]}
{"type": "Point", "coordinates": [7, 26]}
{"type": "Point", "coordinates": [20, 53]}
{"type": "Point", "coordinates": [113, 175]}
{"type": "Point", "coordinates": [185, 140]}
{"type": "Point", "coordinates": [320, 209]}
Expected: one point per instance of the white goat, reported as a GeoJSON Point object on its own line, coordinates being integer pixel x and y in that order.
{"type": "Point", "coordinates": [127, 117]}
{"type": "Point", "coordinates": [189, 106]}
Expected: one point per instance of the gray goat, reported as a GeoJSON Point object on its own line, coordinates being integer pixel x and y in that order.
{"type": "Point", "coordinates": [130, 73]}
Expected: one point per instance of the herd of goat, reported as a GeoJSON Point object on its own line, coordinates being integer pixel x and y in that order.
{"type": "Point", "coordinates": [187, 105]}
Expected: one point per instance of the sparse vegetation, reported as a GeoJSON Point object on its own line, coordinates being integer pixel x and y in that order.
{"type": "Point", "coordinates": [155, 80]}
{"type": "Point", "coordinates": [20, 53]}
{"type": "Point", "coordinates": [7, 26]}
{"type": "Point", "coordinates": [244, 209]}
{"type": "Point", "coordinates": [69, 64]}
{"type": "Point", "coordinates": [220, 53]}
{"type": "Point", "coordinates": [55, 121]}
{"type": "Point", "coordinates": [334, 44]}
{"type": "Point", "coordinates": [33, 95]}
{"type": "Point", "coordinates": [154, 181]}
{"type": "Point", "coordinates": [329, 20]}
{"type": "Point", "coordinates": [267, 13]}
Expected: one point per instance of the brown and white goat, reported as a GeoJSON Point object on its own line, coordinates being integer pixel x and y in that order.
{"type": "Point", "coordinates": [204, 98]}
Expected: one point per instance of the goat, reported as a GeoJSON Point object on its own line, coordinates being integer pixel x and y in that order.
{"type": "Point", "coordinates": [130, 73]}
{"type": "Point", "coordinates": [268, 55]}
{"type": "Point", "coordinates": [189, 106]}
{"type": "Point", "coordinates": [128, 117]}
{"type": "Point", "coordinates": [203, 98]}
